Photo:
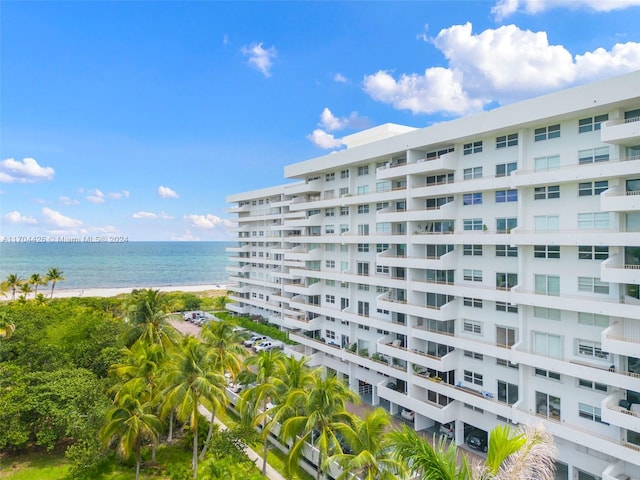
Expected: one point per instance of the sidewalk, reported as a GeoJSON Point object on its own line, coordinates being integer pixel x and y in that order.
{"type": "Point", "coordinates": [272, 474]}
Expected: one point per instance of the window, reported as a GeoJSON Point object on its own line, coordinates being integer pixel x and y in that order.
{"type": "Point", "coordinates": [593, 220]}
{"type": "Point", "coordinates": [507, 392]}
{"type": "Point", "coordinates": [505, 337]}
{"type": "Point", "coordinates": [504, 141]}
{"type": "Point", "coordinates": [330, 283]}
{"type": "Point", "coordinates": [546, 163]}
{"type": "Point", "coordinates": [592, 285]}
{"type": "Point", "coordinates": [344, 227]}
{"type": "Point", "coordinates": [546, 251]}
{"type": "Point", "coordinates": [472, 250]}
{"type": "Point", "coordinates": [592, 188]}
{"type": "Point", "coordinates": [363, 287]}
{"type": "Point", "coordinates": [506, 251]}
{"type": "Point", "coordinates": [471, 173]}
{"type": "Point", "coordinates": [504, 225]}
{"type": "Point", "coordinates": [472, 326]}
{"type": "Point", "coordinates": [363, 208]}
{"type": "Point", "coordinates": [364, 170]}
{"type": "Point", "coordinates": [329, 177]}
{"type": "Point", "coordinates": [472, 224]}
{"type": "Point", "coordinates": [594, 319]}
{"type": "Point", "coordinates": [469, 148]}
{"type": "Point", "coordinates": [590, 412]}
{"type": "Point", "coordinates": [344, 211]}
{"type": "Point", "coordinates": [506, 307]}
{"type": "Point", "coordinates": [363, 268]}
{"type": "Point", "coordinates": [473, 377]}
{"type": "Point", "coordinates": [363, 189]}
{"type": "Point", "coordinates": [363, 229]}
{"type": "Point", "coordinates": [381, 247]}
{"type": "Point", "coordinates": [472, 275]}
{"type": "Point", "coordinates": [330, 334]}
{"type": "Point", "coordinates": [547, 133]}
{"type": "Point", "coordinates": [472, 198]}
{"type": "Point", "coordinates": [472, 302]}
{"type": "Point", "coordinates": [384, 227]}
{"type": "Point", "coordinates": [582, 383]}
{"type": "Point", "coordinates": [381, 205]}
{"type": "Point", "coordinates": [592, 252]}
{"type": "Point", "coordinates": [589, 348]}
{"type": "Point", "coordinates": [506, 281]}
{"type": "Point", "coordinates": [363, 309]}
{"type": "Point", "coordinates": [504, 363]}
{"type": "Point", "coordinates": [543, 193]}
{"type": "Point", "coordinates": [330, 263]}
{"type": "Point", "coordinates": [439, 179]}
{"type": "Point", "coordinates": [546, 313]}
{"type": "Point", "coordinates": [344, 174]}
{"type": "Point", "coordinates": [329, 229]}
{"type": "Point", "coordinates": [363, 247]}
{"type": "Point", "coordinates": [547, 344]}
{"type": "Point", "coordinates": [591, 123]}
{"type": "Point", "coordinates": [505, 169]}
{"type": "Point", "coordinates": [343, 191]}
{"type": "Point", "coordinates": [547, 374]}
{"type": "Point", "coordinates": [474, 355]}
{"type": "Point", "coordinates": [547, 284]}
{"type": "Point", "coordinates": [593, 155]}
{"type": "Point", "coordinates": [546, 223]}
{"type": "Point", "coordinates": [330, 299]}
{"type": "Point", "coordinates": [503, 196]}
{"type": "Point", "coordinates": [383, 269]}
{"type": "Point", "coordinates": [548, 405]}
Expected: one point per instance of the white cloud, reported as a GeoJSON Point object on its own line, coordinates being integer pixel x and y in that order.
{"type": "Point", "coordinates": [338, 77]}
{"type": "Point", "coordinates": [187, 236]}
{"type": "Point", "coordinates": [17, 218]}
{"type": "Point", "coordinates": [57, 220]}
{"type": "Point", "coordinates": [504, 8]}
{"type": "Point", "coordinates": [208, 221]}
{"type": "Point", "coordinates": [166, 192]}
{"type": "Point", "coordinates": [502, 65]}
{"type": "Point", "coordinates": [68, 201]}
{"type": "Point", "coordinates": [330, 122]}
{"type": "Point", "coordinates": [143, 214]}
{"type": "Point", "coordinates": [323, 139]}
{"type": "Point", "coordinates": [260, 58]}
{"type": "Point", "coordinates": [118, 195]}
{"type": "Point", "coordinates": [27, 171]}
{"type": "Point", "coordinates": [95, 196]}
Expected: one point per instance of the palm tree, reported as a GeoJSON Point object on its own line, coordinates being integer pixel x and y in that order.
{"type": "Point", "coordinates": [54, 275]}
{"type": "Point", "coordinates": [7, 327]}
{"type": "Point", "coordinates": [25, 289]}
{"type": "Point", "coordinates": [13, 283]}
{"type": "Point", "coordinates": [130, 423]}
{"type": "Point", "coordinates": [40, 299]}
{"type": "Point", "coordinates": [36, 280]}
{"type": "Point", "coordinates": [148, 314]}
{"type": "Point", "coordinates": [191, 380]}
{"type": "Point", "coordinates": [324, 402]}
{"type": "Point", "coordinates": [254, 403]}
{"type": "Point", "coordinates": [527, 453]}
{"type": "Point", "coordinates": [220, 302]}
{"type": "Point", "coordinates": [370, 456]}
{"type": "Point", "coordinates": [226, 353]}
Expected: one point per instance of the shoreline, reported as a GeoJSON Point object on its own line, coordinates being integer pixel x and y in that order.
{"type": "Point", "coordinates": [115, 291]}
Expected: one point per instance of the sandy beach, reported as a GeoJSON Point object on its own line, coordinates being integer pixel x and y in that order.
{"type": "Point", "coordinates": [112, 292]}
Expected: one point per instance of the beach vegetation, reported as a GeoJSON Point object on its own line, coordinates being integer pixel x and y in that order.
{"type": "Point", "coordinates": [12, 284]}
{"type": "Point", "coordinates": [54, 275]}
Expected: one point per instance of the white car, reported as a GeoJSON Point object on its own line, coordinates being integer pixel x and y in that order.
{"type": "Point", "coordinates": [446, 430]}
{"type": "Point", "coordinates": [255, 339]}
{"type": "Point", "coordinates": [408, 414]}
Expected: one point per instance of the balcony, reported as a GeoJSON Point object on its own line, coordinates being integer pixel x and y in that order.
{"type": "Point", "coordinates": [616, 271]}
{"type": "Point", "coordinates": [619, 200]}
{"type": "Point", "coordinates": [448, 311]}
{"type": "Point", "coordinates": [622, 337]}
{"type": "Point", "coordinates": [444, 212]}
{"type": "Point", "coordinates": [585, 236]}
{"type": "Point", "coordinates": [447, 162]}
{"type": "Point", "coordinates": [621, 131]}
{"type": "Point", "coordinates": [615, 413]}
{"type": "Point", "coordinates": [434, 411]}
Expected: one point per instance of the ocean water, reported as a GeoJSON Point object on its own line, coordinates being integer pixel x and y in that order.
{"type": "Point", "coordinates": [107, 265]}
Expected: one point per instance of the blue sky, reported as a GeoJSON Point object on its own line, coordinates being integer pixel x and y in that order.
{"type": "Point", "coordinates": [137, 119]}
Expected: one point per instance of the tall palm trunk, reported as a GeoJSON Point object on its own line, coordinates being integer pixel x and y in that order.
{"type": "Point", "coordinates": [194, 461]}
{"type": "Point", "coordinates": [265, 446]}
{"type": "Point", "coordinates": [209, 435]}
{"type": "Point", "coordinates": [170, 435]}
{"type": "Point", "coordinates": [138, 455]}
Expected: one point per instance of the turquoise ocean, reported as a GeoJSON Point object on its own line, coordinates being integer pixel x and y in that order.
{"type": "Point", "coordinates": [119, 265]}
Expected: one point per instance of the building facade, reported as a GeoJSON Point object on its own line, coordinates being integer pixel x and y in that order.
{"type": "Point", "coordinates": [476, 272]}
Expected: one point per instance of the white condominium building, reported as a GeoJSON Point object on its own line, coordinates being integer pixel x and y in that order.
{"type": "Point", "coordinates": [476, 272]}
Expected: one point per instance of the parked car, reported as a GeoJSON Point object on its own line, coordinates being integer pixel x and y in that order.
{"type": "Point", "coordinates": [235, 387]}
{"type": "Point", "coordinates": [408, 414]}
{"type": "Point", "coordinates": [267, 345]}
{"type": "Point", "coordinates": [255, 339]}
{"type": "Point", "coordinates": [447, 430]}
{"type": "Point", "coordinates": [477, 439]}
